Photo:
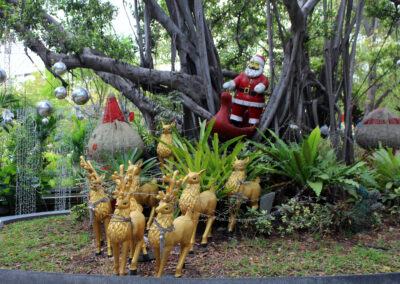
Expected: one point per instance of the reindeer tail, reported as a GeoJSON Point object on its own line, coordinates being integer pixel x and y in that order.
{"type": "Point", "coordinates": [257, 180]}
{"type": "Point", "coordinates": [212, 189]}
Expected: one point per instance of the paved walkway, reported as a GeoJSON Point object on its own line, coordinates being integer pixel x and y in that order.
{"type": "Point", "coordinates": [31, 277]}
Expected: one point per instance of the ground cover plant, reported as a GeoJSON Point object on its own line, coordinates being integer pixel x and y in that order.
{"type": "Point", "coordinates": [61, 244]}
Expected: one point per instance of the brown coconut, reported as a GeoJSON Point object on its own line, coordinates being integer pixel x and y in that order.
{"type": "Point", "coordinates": [113, 134]}
{"type": "Point", "coordinates": [379, 126]}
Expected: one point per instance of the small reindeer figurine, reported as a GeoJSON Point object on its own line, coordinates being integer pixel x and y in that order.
{"type": "Point", "coordinates": [127, 224]}
{"type": "Point", "coordinates": [236, 182]}
{"type": "Point", "coordinates": [99, 205]}
{"type": "Point", "coordinates": [163, 151]}
{"type": "Point", "coordinates": [196, 203]}
{"type": "Point", "coordinates": [147, 196]}
{"type": "Point", "coordinates": [165, 232]}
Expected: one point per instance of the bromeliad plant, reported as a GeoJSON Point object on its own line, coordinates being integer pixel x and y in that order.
{"type": "Point", "coordinates": [115, 161]}
{"type": "Point", "coordinates": [206, 153]}
{"type": "Point", "coordinates": [307, 166]}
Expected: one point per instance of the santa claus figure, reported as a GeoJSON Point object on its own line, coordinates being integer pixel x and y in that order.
{"type": "Point", "coordinates": [250, 86]}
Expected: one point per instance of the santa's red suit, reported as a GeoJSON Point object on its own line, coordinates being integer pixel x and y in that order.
{"type": "Point", "coordinates": [250, 86]}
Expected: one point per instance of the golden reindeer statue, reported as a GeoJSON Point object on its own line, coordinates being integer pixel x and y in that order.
{"type": "Point", "coordinates": [196, 203]}
{"type": "Point", "coordinates": [236, 182]}
{"type": "Point", "coordinates": [165, 232]}
{"type": "Point", "coordinates": [163, 151]}
{"type": "Point", "coordinates": [99, 205]}
{"type": "Point", "coordinates": [147, 196]}
{"type": "Point", "coordinates": [134, 189]}
{"type": "Point", "coordinates": [127, 224]}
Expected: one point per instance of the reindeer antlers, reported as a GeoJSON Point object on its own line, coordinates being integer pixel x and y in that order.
{"type": "Point", "coordinates": [92, 174]}
{"type": "Point", "coordinates": [171, 191]}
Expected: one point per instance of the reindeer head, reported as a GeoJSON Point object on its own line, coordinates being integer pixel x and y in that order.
{"type": "Point", "coordinates": [167, 128]}
{"type": "Point", "coordinates": [193, 177]}
{"type": "Point", "coordinates": [240, 165]}
{"type": "Point", "coordinates": [169, 197]}
{"type": "Point", "coordinates": [133, 169]}
{"type": "Point", "coordinates": [121, 192]}
{"type": "Point", "coordinates": [94, 179]}
{"type": "Point", "coordinates": [123, 200]}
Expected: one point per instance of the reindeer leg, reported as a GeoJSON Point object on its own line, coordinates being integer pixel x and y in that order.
{"type": "Point", "coordinates": [97, 233]}
{"type": "Point", "coordinates": [150, 221]}
{"type": "Point", "coordinates": [115, 247]}
{"type": "Point", "coordinates": [232, 221]}
{"type": "Point", "coordinates": [158, 258]}
{"type": "Point", "coordinates": [195, 222]}
{"type": "Point", "coordinates": [109, 251]}
{"type": "Point", "coordinates": [254, 205]}
{"type": "Point", "coordinates": [145, 255]}
{"type": "Point", "coordinates": [207, 232]}
{"type": "Point", "coordinates": [131, 251]}
{"type": "Point", "coordinates": [125, 248]}
{"type": "Point", "coordinates": [182, 258]}
{"type": "Point", "coordinates": [167, 251]}
{"type": "Point", "coordinates": [138, 247]}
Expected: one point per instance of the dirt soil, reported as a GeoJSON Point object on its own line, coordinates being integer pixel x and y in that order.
{"type": "Point", "coordinates": [212, 260]}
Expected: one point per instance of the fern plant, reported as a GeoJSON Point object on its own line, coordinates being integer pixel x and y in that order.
{"type": "Point", "coordinates": [306, 165]}
{"type": "Point", "coordinates": [387, 167]}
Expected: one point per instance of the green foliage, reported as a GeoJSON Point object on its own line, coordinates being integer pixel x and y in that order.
{"type": "Point", "coordinates": [114, 162]}
{"type": "Point", "coordinates": [79, 212]}
{"type": "Point", "coordinates": [206, 153]}
{"type": "Point", "coordinates": [307, 165]}
{"type": "Point", "coordinates": [297, 216]}
{"type": "Point", "coordinates": [8, 172]}
{"type": "Point", "coordinates": [78, 141]}
{"type": "Point", "coordinates": [44, 131]}
{"type": "Point", "coordinates": [387, 167]}
{"type": "Point", "coordinates": [261, 221]}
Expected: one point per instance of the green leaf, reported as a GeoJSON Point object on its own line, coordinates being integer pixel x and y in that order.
{"type": "Point", "coordinates": [313, 141]}
{"type": "Point", "coordinates": [307, 152]}
{"type": "Point", "coordinates": [316, 186]}
{"type": "Point", "coordinates": [389, 185]}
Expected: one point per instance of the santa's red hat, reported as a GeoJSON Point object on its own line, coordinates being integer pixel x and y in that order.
{"type": "Point", "coordinates": [112, 111]}
{"type": "Point", "coordinates": [258, 58]}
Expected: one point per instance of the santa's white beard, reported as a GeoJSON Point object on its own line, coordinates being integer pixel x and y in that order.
{"type": "Point", "coordinates": [251, 73]}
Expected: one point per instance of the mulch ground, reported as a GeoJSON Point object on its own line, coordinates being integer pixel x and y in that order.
{"type": "Point", "coordinates": [211, 262]}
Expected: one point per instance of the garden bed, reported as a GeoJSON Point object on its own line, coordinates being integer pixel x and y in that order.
{"type": "Point", "coordinates": [58, 244]}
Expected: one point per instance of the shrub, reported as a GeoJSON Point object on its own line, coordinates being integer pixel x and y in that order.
{"type": "Point", "coordinates": [308, 166]}
{"type": "Point", "coordinates": [79, 212]}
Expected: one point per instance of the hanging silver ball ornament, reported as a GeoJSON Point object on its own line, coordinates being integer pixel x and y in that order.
{"type": "Point", "coordinates": [59, 68]}
{"type": "Point", "coordinates": [44, 108]}
{"type": "Point", "coordinates": [398, 63]}
{"type": "Point", "coordinates": [45, 121]}
{"type": "Point", "coordinates": [60, 93]}
{"type": "Point", "coordinates": [80, 96]}
{"type": "Point", "coordinates": [3, 76]}
{"type": "Point", "coordinates": [7, 116]}
{"type": "Point", "coordinates": [324, 130]}
{"type": "Point", "coordinates": [78, 113]}
{"type": "Point", "coordinates": [79, 116]}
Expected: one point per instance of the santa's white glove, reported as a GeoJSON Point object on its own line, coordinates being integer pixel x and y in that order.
{"type": "Point", "coordinates": [230, 85]}
{"type": "Point", "coordinates": [260, 88]}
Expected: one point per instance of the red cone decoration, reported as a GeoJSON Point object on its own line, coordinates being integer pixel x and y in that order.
{"type": "Point", "coordinates": [113, 134]}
